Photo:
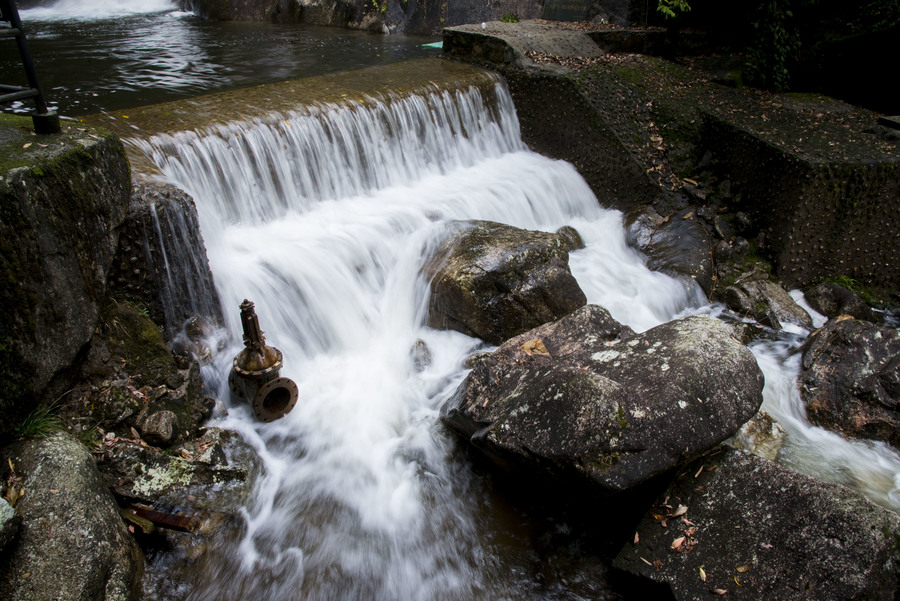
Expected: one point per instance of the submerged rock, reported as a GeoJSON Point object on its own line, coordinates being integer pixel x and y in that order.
{"type": "Point", "coordinates": [851, 379]}
{"type": "Point", "coordinates": [72, 544]}
{"type": "Point", "coordinates": [734, 524]}
{"type": "Point", "coordinates": [586, 398]}
{"type": "Point", "coordinates": [494, 281]}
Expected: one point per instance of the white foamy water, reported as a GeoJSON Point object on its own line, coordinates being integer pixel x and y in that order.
{"type": "Point", "coordinates": [64, 10]}
{"type": "Point", "coordinates": [323, 218]}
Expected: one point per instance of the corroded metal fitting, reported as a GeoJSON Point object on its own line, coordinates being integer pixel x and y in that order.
{"type": "Point", "coordinates": [255, 372]}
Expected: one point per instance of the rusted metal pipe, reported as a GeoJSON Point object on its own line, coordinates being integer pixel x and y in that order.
{"type": "Point", "coordinates": [255, 372]}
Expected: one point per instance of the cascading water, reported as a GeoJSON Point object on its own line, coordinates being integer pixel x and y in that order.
{"type": "Point", "coordinates": [323, 218]}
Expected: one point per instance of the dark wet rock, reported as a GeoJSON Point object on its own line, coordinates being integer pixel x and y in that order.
{"type": "Point", "coordinates": [738, 523]}
{"type": "Point", "coordinates": [766, 302]}
{"type": "Point", "coordinates": [832, 299]}
{"type": "Point", "coordinates": [677, 244]}
{"type": "Point", "coordinates": [586, 398]}
{"type": "Point", "coordinates": [494, 281]}
{"type": "Point", "coordinates": [161, 265]}
{"type": "Point", "coordinates": [851, 379]}
{"type": "Point", "coordinates": [61, 210]}
{"type": "Point", "coordinates": [72, 544]}
{"type": "Point", "coordinates": [9, 523]}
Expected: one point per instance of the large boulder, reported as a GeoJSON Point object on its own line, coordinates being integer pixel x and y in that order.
{"type": "Point", "coordinates": [494, 281]}
{"type": "Point", "coordinates": [61, 203]}
{"type": "Point", "coordinates": [72, 543]}
{"type": "Point", "coordinates": [737, 525]}
{"type": "Point", "coordinates": [587, 398]}
{"type": "Point", "coordinates": [851, 379]}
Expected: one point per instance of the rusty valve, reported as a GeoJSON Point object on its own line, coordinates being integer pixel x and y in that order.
{"type": "Point", "coordinates": [254, 374]}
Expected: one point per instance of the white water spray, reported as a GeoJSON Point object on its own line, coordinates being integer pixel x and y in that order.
{"type": "Point", "coordinates": [323, 218]}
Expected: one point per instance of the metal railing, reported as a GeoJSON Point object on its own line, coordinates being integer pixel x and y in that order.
{"type": "Point", "coordinates": [45, 121]}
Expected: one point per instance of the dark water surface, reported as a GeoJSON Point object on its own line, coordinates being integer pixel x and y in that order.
{"type": "Point", "coordinates": [93, 56]}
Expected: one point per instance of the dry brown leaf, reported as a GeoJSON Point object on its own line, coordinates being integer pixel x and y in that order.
{"type": "Point", "coordinates": [680, 510]}
{"type": "Point", "coordinates": [743, 568]}
{"type": "Point", "coordinates": [535, 346]}
{"type": "Point", "coordinates": [702, 574]}
{"type": "Point", "coordinates": [637, 539]}
{"type": "Point", "coordinates": [676, 544]}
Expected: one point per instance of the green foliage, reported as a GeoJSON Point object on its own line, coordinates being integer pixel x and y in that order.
{"type": "Point", "coordinates": [774, 47]}
{"type": "Point", "coordinates": [672, 8]}
{"type": "Point", "coordinates": [40, 423]}
{"type": "Point", "coordinates": [510, 18]}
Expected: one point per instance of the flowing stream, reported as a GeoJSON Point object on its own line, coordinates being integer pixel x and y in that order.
{"type": "Point", "coordinates": [324, 217]}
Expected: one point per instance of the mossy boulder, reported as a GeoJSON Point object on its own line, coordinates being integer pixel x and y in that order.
{"type": "Point", "coordinates": [130, 379]}
{"type": "Point", "coordinates": [72, 543]}
{"type": "Point", "coordinates": [494, 281]}
{"type": "Point", "coordinates": [62, 199]}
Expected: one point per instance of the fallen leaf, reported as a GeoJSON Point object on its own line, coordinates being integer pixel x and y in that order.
{"type": "Point", "coordinates": [680, 510]}
{"type": "Point", "coordinates": [26, 145]}
{"type": "Point", "coordinates": [676, 544]}
{"type": "Point", "coordinates": [134, 434]}
{"type": "Point", "coordinates": [690, 181]}
{"type": "Point", "coordinates": [719, 591]}
{"type": "Point", "coordinates": [698, 471]}
{"type": "Point", "coordinates": [702, 574]}
{"type": "Point", "coordinates": [646, 562]}
{"type": "Point", "coordinates": [535, 346]}
{"type": "Point", "coordinates": [742, 569]}
{"type": "Point", "coordinates": [637, 539]}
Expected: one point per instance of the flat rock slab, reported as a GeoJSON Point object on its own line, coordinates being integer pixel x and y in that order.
{"type": "Point", "coordinates": [739, 526]}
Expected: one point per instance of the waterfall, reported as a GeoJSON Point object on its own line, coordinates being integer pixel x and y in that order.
{"type": "Point", "coordinates": [91, 10]}
{"type": "Point", "coordinates": [323, 217]}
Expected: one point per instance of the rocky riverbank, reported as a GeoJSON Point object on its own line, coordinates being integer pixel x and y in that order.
{"type": "Point", "coordinates": [571, 401]}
